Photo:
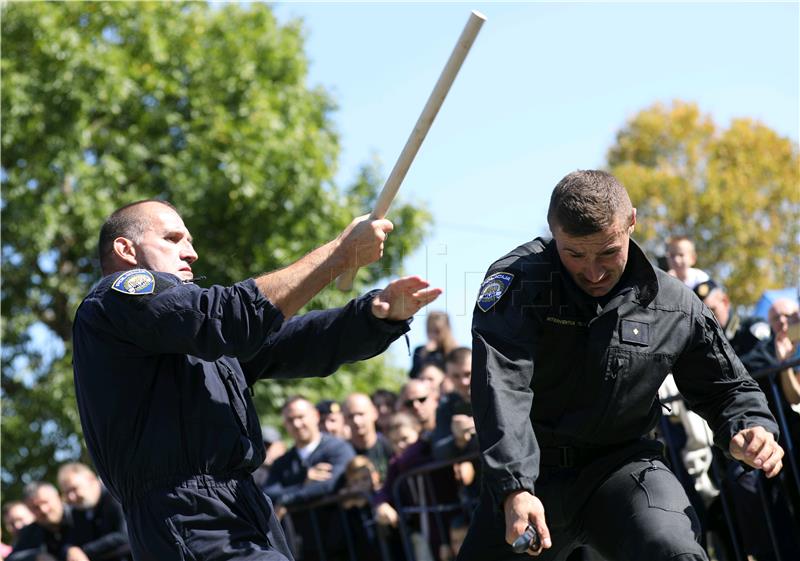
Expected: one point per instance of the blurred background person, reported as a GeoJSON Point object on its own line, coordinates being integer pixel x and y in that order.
{"type": "Point", "coordinates": [49, 535]}
{"type": "Point", "coordinates": [331, 419]}
{"type": "Point", "coordinates": [743, 333]}
{"type": "Point", "coordinates": [361, 481]}
{"type": "Point", "coordinates": [454, 423]}
{"type": "Point", "coordinates": [440, 342]}
{"type": "Point", "coordinates": [438, 381]}
{"type": "Point", "coordinates": [385, 402]}
{"type": "Point", "coordinates": [98, 523]}
{"type": "Point", "coordinates": [414, 450]}
{"type": "Point", "coordinates": [361, 416]}
{"type": "Point", "coordinates": [784, 322]}
{"type": "Point", "coordinates": [681, 258]}
{"type": "Point", "coordinates": [16, 515]}
{"type": "Point", "coordinates": [419, 399]}
{"type": "Point", "coordinates": [310, 470]}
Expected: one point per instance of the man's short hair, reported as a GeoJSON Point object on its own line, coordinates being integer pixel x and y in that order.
{"type": "Point", "coordinates": [31, 489]}
{"type": "Point", "coordinates": [126, 222]}
{"type": "Point", "coordinates": [294, 399]}
{"type": "Point", "coordinates": [588, 201]}
{"type": "Point", "coordinates": [383, 396]}
{"type": "Point", "coordinates": [75, 467]}
{"type": "Point", "coordinates": [458, 355]}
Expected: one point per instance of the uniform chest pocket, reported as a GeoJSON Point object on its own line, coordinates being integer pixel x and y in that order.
{"type": "Point", "coordinates": [630, 384]}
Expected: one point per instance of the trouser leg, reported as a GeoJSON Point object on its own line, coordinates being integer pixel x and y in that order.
{"type": "Point", "coordinates": [642, 512]}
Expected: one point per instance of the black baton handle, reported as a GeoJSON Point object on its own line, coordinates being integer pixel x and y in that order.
{"type": "Point", "coordinates": [528, 540]}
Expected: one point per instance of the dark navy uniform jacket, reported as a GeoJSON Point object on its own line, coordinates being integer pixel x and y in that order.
{"type": "Point", "coordinates": [554, 367]}
{"type": "Point", "coordinates": [162, 379]}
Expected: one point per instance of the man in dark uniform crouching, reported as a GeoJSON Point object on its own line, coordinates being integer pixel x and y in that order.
{"type": "Point", "coordinates": [164, 370]}
{"type": "Point", "coordinates": [572, 338]}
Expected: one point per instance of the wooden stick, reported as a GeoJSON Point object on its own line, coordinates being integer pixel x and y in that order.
{"type": "Point", "coordinates": [417, 136]}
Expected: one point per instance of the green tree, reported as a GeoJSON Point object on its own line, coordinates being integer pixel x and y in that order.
{"type": "Point", "coordinates": [207, 107]}
{"type": "Point", "coordinates": [734, 191]}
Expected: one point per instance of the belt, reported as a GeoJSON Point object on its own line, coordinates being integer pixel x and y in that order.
{"type": "Point", "coordinates": [573, 457]}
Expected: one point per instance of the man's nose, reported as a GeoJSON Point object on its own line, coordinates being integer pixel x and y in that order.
{"type": "Point", "coordinates": [594, 273]}
{"type": "Point", "coordinates": [189, 254]}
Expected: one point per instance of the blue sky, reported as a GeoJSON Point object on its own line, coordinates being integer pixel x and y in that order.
{"type": "Point", "coordinates": [543, 92]}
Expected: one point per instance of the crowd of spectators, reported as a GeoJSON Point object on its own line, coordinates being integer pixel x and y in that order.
{"type": "Point", "coordinates": [346, 456]}
{"type": "Point", "coordinates": [78, 521]}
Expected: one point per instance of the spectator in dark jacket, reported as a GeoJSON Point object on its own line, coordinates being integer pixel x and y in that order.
{"type": "Point", "coordinates": [360, 414]}
{"type": "Point", "coordinates": [440, 343]}
{"type": "Point", "coordinates": [16, 515]}
{"type": "Point", "coordinates": [310, 470]}
{"type": "Point", "coordinates": [313, 466]}
{"type": "Point", "coordinates": [415, 451]}
{"type": "Point", "coordinates": [48, 538]}
{"type": "Point", "coordinates": [98, 521]}
{"type": "Point", "coordinates": [455, 426]}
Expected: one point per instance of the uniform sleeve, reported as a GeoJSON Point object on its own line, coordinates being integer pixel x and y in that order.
{"type": "Point", "coordinates": [184, 318]}
{"type": "Point", "coordinates": [318, 343]}
{"type": "Point", "coordinates": [502, 371]}
{"type": "Point", "coordinates": [716, 385]}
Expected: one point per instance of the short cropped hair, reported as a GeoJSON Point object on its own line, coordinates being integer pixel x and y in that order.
{"type": "Point", "coordinates": [74, 467]}
{"type": "Point", "coordinates": [294, 399]}
{"type": "Point", "coordinates": [588, 201]}
{"type": "Point", "coordinates": [126, 222]}
{"type": "Point", "coordinates": [458, 355]}
{"type": "Point", "coordinates": [31, 489]}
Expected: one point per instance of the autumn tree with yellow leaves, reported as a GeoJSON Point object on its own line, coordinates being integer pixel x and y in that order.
{"type": "Point", "coordinates": [735, 191]}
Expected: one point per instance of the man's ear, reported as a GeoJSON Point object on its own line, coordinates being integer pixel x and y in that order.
{"type": "Point", "coordinates": [125, 250]}
{"type": "Point", "coordinates": [633, 222]}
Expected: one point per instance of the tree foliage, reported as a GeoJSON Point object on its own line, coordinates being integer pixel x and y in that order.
{"type": "Point", "coordinates": [734, 191]}
{"type": "Point", "coordinates": [204, 106]}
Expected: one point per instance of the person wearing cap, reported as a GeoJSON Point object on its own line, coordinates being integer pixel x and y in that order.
{"type": "Point", "coordinates": [331, 419]}
{"type": "Point", "coordinates": [743, 333]}
{"type": "Point", "coordinates": [572, 337]}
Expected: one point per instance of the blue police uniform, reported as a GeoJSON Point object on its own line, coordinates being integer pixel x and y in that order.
{"type": "Point", "coordinates": [564, 391]}
{"type": "Point", "coordinates": [163, 370]}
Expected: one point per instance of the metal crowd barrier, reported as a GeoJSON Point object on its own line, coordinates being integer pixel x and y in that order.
{"type": "Point", "coordinates": [370, 528]}
{"type": "Point", "coordinates": [430, 507]}
{"type": "Point", "coordinates": [788, 476]}
{"type": "Point", "coordinates": [420, 479]}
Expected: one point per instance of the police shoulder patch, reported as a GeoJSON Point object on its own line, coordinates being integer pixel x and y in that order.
{"type": "Point", "coordinates": [135, 282]}
{"type": "Point", "coordinates": [493, 289]}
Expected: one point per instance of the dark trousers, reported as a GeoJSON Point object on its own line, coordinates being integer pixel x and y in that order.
{"type": "Point", "coordinates": [632, 512]}
{"type": "Point", "coordinates": [206, 518]}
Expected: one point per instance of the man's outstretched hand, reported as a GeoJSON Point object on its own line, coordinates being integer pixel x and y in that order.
{"type": "Point", "coordinates": [403, 298]}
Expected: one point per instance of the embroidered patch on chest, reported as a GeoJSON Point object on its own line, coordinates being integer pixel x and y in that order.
{"type": "Point", "coordinates": [493, 289]}
{"type": "Point", "coordinates": [635, 332]}
{"type": "Point", "coordinates": [136, 282]}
